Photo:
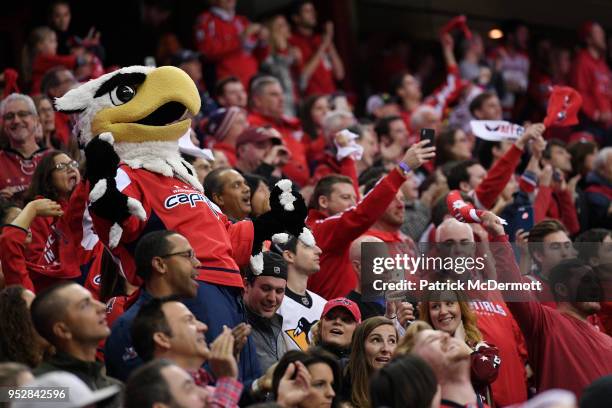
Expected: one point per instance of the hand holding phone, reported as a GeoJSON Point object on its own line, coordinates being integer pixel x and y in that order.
{"type": "Point", "coordinates": [428, 134]}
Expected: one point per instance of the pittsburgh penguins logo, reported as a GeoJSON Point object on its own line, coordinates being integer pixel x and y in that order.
{"type": "Point", "coordinates": [299, 335]}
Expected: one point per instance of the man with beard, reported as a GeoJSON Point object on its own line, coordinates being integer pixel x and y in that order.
{"type": "Point", "coordinates": [565, 350]}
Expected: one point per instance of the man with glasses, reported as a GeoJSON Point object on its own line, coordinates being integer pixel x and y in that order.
{"type": "Point", "coordinates": [19, 160]}
{"type": "Point", "coordinates": [167, 265]}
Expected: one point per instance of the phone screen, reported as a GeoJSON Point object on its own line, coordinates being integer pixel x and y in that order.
{"type": "Point", "coordinates": [428, 134]}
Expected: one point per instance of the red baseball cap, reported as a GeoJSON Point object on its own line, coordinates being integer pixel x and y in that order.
{"type": "Point", "coordinates": [259, 134]}
{"type": "Point", "coordinates": [345, 303]}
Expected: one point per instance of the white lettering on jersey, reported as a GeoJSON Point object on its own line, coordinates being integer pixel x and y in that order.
{"type": "Point", "coordinates": [183, 198]}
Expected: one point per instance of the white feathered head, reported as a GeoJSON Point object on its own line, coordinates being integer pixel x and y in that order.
{"type": "Point", "coordinates": [136, 104]}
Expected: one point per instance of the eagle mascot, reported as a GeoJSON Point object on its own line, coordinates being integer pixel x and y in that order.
{"type": "Point", "coordinates": [129, 122]}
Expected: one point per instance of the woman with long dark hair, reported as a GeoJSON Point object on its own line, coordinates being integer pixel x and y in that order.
{"type": "Point", "coordinates": [19, 341]}
{"type": "Point", "coordinates": [37, 248]}
{"type": "Point", "coordinates": [373, 345]}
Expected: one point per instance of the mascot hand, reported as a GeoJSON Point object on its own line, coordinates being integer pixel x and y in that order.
{"type": "Point", "coordinates": [102, 160]}
{"type": "Point", "coordinates": [288, 206]}
{"type": "Point", "coordinates": [106, 200]}
{"type": "Point", "coordinates": [287, 215]}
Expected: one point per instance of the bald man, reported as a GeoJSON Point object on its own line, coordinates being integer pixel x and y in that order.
{"type": "Point", "coordinates": [494, 321]}
{"type": "Point", "coordinates": [401, 312]}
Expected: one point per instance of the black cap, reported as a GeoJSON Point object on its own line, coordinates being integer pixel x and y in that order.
{"type": "Point", "coordinates": [273, 265]}
{"type": "Point", "coordinates": [598, 394]}
{"type": "Point", "coordinates": [184, 56]}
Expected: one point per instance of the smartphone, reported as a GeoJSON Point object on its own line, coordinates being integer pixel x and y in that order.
{"type": "Point", "coordinates": [557, 176]}
{"type": "Point", "coordinates": [523, 219]}
{"type": "Point", "coordinates": [428, 134]}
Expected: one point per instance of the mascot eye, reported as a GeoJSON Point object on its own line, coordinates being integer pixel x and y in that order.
{"type": "Point", "coordinates": [122, 94]}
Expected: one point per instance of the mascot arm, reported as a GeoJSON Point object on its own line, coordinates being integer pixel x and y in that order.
{"type": "Point", "coordinates": [110, 201]}
{"type": "Point", "coordinates": [241, 235]}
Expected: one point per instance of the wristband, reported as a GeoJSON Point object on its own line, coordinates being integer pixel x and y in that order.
{"type": "Point", "coordinates": [405, 168]}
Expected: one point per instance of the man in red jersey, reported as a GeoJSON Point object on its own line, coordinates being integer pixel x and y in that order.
{"type": "Point", "coordinates": [322, 65]}
{"type": "Point", "coordinates": [336, 219]}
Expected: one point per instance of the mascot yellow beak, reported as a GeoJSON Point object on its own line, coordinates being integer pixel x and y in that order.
{"type": "Point", "coordinates": [156, 109]}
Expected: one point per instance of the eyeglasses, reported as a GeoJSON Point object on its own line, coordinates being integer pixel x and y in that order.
{"type": "Point", "coordinates": [21, 114]}
{"type": "Point", "coordinates": [64, 166]}
{"type": "Point", "coordinates": [185, 254]}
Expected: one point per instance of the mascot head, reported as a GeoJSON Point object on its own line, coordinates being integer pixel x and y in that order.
{"type": "Point", "coordinates": [136, 104]}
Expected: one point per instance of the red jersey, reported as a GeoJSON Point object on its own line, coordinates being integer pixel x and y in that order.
{"type": "Point", "coordinates": [498, 327]}
{"type": "Point", "coordinates": [17, 170]}
{"type": "Point", "coordinates": [169, 203]}
{"type": "Point", "coordinates": [322, 79]}
{"type": "Point", "coordinates": [565, 351]}
{"type": "Point", "coordinates": [335, 234]}
{"type": "Point", "coordinates": [292, 133]}
{"type": "Point", "coordinates": [592, 78]}
{"type": "Point", "coordinates": [219, 37]}
{"type": "Point", "coordinates": [487, 192]}
{"type": "Point", "coordinates": [556, 204]}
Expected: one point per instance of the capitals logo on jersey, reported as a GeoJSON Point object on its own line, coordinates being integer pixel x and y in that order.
{"type": "Point", "coordinates": [300, 335]}
{"type": "Point", "coordinates": [187, 196]}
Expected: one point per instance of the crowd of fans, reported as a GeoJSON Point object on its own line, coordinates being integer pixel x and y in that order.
{"type": "Point", "coordinates": [301, 334]}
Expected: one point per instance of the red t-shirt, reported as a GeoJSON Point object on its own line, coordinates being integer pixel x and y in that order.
{"type": "Point", "coordinates": [322, 80]}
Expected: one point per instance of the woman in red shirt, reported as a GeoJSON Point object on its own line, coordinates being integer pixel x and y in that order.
{"type": "Point", "coordinates": [51, 255]}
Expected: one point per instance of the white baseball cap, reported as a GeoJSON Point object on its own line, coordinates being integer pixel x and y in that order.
{"type": "Point", "coordinates": [79, 394]}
